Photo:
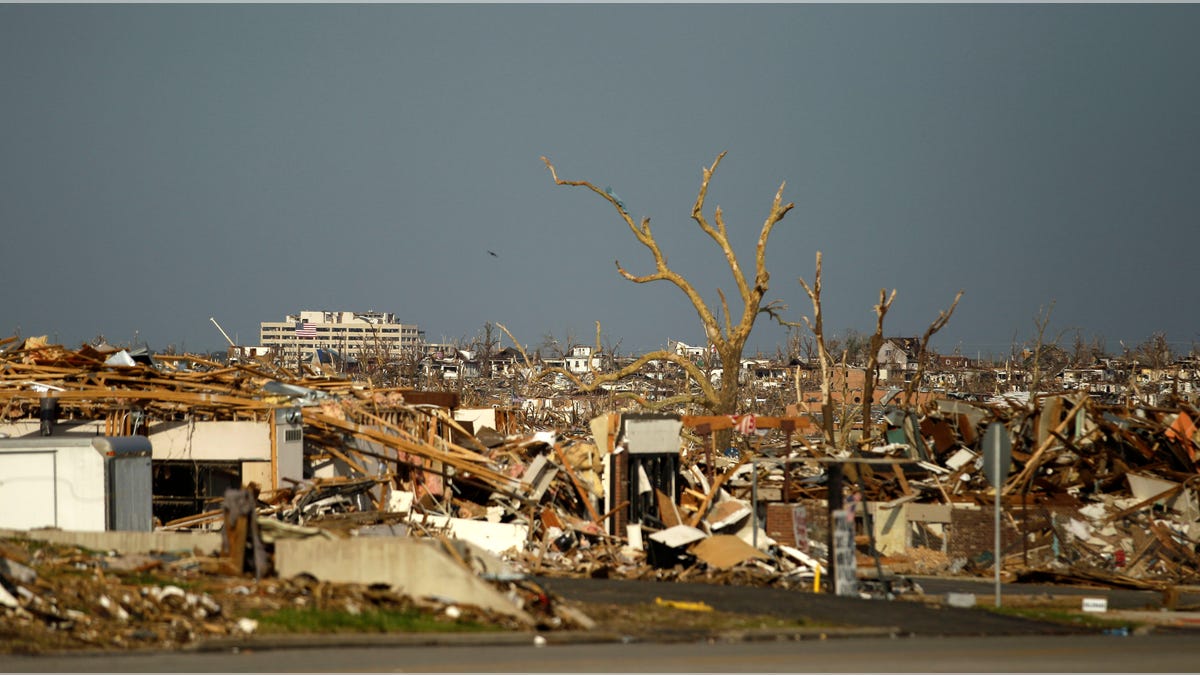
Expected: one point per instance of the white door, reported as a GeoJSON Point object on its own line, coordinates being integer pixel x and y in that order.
{"type": "Point", "coordinates": [27, 490]}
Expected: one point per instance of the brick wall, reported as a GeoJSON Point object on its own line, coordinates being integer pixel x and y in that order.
{"type": "Point", "coordinates": [969, 533]}
{"type": "Point", "coordinates": [620, 487]}
{"type": "Point", "coordinates": [779, 522]}
{"type": "Point", "coordinates": [972, 530]}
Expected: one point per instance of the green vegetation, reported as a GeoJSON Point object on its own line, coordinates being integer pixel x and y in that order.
{"type": "Point", "coordinates": [309, 620]}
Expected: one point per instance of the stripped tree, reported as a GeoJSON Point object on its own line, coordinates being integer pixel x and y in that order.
{"type": "Point", "coordinates": [913, 386]}
{"type": "Point", "coordinates": [726, 337]}
{"type": "Point", "coordinates": [829, 365]}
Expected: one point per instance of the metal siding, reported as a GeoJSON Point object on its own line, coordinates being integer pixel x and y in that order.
{"type": "Point", "coordinates": [130, 494]}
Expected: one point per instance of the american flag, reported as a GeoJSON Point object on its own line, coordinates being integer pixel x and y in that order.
{"type": "Point", "coordinates": [305, 329]}
{"type": "Point", "coordinates": [745, 424]}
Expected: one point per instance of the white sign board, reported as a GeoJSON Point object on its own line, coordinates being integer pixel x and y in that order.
{"type": "Point", "coordinates": [800, 527]}
{"type": "Point", "coordinates": [846, 581]}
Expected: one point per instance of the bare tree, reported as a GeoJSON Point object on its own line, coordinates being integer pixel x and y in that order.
{"type": "Point", "coordinates": [1043, 355]}
{"type": "Point", "coordinates": [855, 343]}
{"type": "Point", "coordinates": [484, 347]}
{"type": "Point", "coordinates": [1085, 354]}
{"type": "Point", "coordinates": [728, 338]}
{"type": "Point", "coordinates": [817, 326]}
{"type": "Point", "coordinates": [876, 344]}
{"type": "Point", "coordinates": [910, 391]}
{"type": "Point", "coordinates": [1154, 352]}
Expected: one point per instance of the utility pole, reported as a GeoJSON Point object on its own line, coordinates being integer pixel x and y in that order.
{"type": "Point", "coordinates": [226, 335]}
{"type": "Point", "coordinates": [214, 321]}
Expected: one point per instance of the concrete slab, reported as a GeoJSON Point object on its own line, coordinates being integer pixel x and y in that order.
{"type": "Point", "coordinates": [126, 542]}
{"type": "Point", "coordinates": [494, 537]}
{"type": "Point", "coordinates": [417, 567]}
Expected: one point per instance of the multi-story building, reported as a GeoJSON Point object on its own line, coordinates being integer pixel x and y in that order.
{"type": "Point", "coordinates": [353, 335]}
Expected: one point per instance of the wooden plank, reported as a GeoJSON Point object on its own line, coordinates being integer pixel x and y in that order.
{"type": "Point", "coordinates": [902, 479]}
{"type": "Point", "coordinates": [1035, 460]}
{"type": "Point", "coordinates": [667, 511]}
{"type": "Point", "coordinates": [584, 495]}
{"type": "Point", "coordinates": [703, 510]}
{"type": "Point", "coordinates": [719, 422]}
{"type": "Point", "coordinates": [1166, 494]}
{"type": "Point", "coordinates": [477, 471]}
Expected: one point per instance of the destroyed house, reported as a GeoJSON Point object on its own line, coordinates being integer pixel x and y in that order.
{"type": "Point", "coordinates": [581, 360]}
{"type": "Point", "coordinates": [209, 428]}
{"type": "Point", "coordinates": [897, 359]}
{"type": "Point", "coordinates": [684, 349]}
{"type": "Point", "coordinates": [505, 362]}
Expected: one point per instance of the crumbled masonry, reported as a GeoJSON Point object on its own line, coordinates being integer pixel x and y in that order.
{"type": "Point", "coordinates": [1095, 493]}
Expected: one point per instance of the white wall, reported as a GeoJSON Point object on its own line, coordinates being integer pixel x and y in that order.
{"type": "Point", "coordinates": [212, 441]}
{"type": "Point", "coordinates": [80, 489]}
{"type": "Point", "coordinates": [478, 417]}
{"type": "Point", "coordinates": [49, 484]}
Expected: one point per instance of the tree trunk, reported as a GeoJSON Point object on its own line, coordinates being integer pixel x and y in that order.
{"type": "Point", "coordinates": [729, 392]}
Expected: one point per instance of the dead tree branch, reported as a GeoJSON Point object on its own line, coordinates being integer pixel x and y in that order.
{"type": "Point", "coordinates": [910, 390]}
{"type": "Point", "coordinates": [727, 337]}
{"type": "Point", "coordinates": [872, 372]}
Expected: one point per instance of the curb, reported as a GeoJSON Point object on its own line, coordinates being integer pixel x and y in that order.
{"type": "Point", "coordinates": [268, 642]}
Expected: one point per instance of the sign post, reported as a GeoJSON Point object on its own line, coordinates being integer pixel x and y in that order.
{"type": "Point", "coordinates": [997, 459]}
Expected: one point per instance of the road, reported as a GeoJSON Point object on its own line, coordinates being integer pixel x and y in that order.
{"type": "Point", "coordinates": [909, 618]}
{"type": "Point", "coordinates": [1118, 598]}
{"type": "Point", "coordinates": [1075, 653]}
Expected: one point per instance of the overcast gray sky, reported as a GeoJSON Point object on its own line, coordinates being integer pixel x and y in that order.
{"type": "Point", "coordinates": [161, 164]}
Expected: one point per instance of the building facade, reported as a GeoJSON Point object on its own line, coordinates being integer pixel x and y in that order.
{"type": "Point", "coordinates": [353, 335]}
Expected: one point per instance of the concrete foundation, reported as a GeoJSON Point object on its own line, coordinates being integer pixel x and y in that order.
{"type": "Point", "coordinates": [416, 567]}
{"type": "Point", "coordinates": [126, 542]}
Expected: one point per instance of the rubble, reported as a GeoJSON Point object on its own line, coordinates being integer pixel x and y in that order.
{"type": "Point", "coordinates": [70, 598]}
{"type": "Point", "coordinates": [1097, 492]}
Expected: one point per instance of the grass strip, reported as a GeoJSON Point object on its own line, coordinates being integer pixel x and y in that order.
{"type": "Point", "coordinates": [311, 620]}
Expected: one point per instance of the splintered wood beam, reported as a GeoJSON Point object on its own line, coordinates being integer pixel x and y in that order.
{"type": "Point", "coordinates": [720, 422]}
{"type": "Point", "coordinates": [451, 448]}
{"type": "Point", "coordinates": [1035, 459]}
{"type": "Point", "coordinates": [342, 456]}
{"type": "Point", "coordinates": [902, 479]}
{"type": "Point", "coordinates": [703, 510]}
{"type": "Point", "coordinates": [195, 399]}
{"type": "Point", "coordinates": [583, 494]}
{"type": "Point", "coordinates": [476, 471]}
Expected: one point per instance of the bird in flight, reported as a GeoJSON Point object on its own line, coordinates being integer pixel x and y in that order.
{"type": "Point", "coordinates": [493, 254]}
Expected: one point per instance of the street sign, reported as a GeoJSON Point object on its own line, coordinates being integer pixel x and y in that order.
{"type": "Point", "coordinates": [997, 454]}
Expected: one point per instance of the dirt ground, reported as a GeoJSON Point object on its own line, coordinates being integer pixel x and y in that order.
{"type": "Point", "coordinates": [68, 598]}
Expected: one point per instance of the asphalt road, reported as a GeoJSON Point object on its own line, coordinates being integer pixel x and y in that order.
{"type": "Point", "coordinates": [1075, 653]}
{"type": "Point", "coordinates": [1118, 598]}
{"type": "Point", "coordinates": [910, 618]}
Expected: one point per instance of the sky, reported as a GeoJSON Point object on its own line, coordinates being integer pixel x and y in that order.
{"type": "Point", "coordinates": [164, 164]}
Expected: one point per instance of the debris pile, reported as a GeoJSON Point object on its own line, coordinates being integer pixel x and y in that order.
{"type": "Point", "coordinates": [56, 597]}
{"type": "Point", "coordinates": [1091, 490]}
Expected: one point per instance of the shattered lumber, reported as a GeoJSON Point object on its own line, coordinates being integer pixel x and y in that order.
{"type": "Point", "coordinates": [1106, 488]}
